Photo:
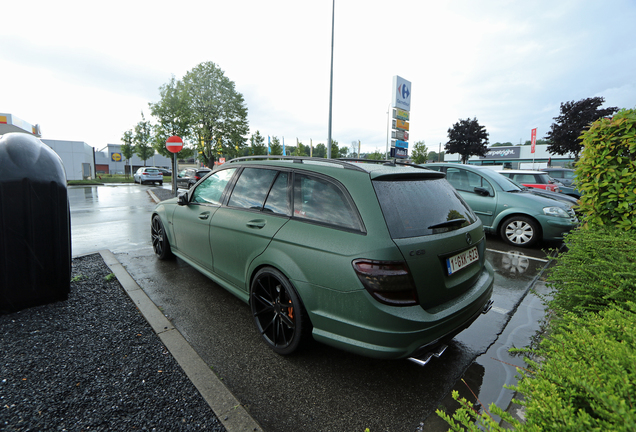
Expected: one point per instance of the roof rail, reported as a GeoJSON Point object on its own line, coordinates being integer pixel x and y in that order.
{"type": "Point", "coordinates": [301, 159]}
{"type": "Point", "coordinates": [391, 162]}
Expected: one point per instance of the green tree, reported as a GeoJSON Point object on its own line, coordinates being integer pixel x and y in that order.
{"type": "Point", "coordinates": [258, 144]}
{"type": "Point", "coordinates": [433, 156]}
{"type": "Point", "coordinates": [320, 150]}
{"type": "Point", "coordinates": [468, 138]}
{"type": "Point", "coordinates": [335, 150]}
{"type": "Point", "coordinates": [276, 148]}
{"type": "Point", "coordinates": [419, 154]}
{"type": "Point", "coordinates": [143, 139]}
{"type": "Point", "coordinates": [218, 115]}
{"type": "Point", "coordinates": [127, 148]}
{"type": "Point", "coordinates": [376, 155]}
{"type": "Point", "coordinates": [576, 117]}
{"type": "Point", "coordinates": [301, 150]}
{"type": "Point", "coordinates": [174, 118]}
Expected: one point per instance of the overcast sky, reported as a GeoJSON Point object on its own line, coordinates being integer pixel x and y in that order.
{"type": "Point", "coordinates": [86, 70]}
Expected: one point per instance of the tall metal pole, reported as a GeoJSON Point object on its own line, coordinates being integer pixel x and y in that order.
{"type": "Point", "coordinates": [331, 82]}
{"type": "Point", "coordinates": [388, 118]}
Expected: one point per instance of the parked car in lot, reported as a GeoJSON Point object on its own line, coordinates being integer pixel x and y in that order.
{"type": "Point", "coordinates": [381, 260]}
{"type": "Point", "coordinates": [566, 177]}
{"type": "Point", "coordinates": [165, 171]}
{"type": "Point", "coordinates": [532, 179]}
{"type": "Point", "coordinates": [188, 177]}
{"type": "Point", "coordinates": [520, 217]}
{"type": "Point", "coordinates": [148, 175]}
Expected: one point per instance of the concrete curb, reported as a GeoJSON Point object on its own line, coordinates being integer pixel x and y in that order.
{"type": "Point", "coordinates": [227, 408]}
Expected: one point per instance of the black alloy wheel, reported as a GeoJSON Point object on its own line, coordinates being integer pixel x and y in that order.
{"type": "Point", "coordinates": [159, 240]}
{"type": "Point", "coordinates": [278, 313]}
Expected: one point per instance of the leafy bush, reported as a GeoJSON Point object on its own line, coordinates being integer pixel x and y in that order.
{"type": "Point", "coordinates": [582, 375]}
{"type": "Point", "coordinates": [588, 379]}
{"type": "Point", "coordinates": [598, 270]}
{"type": "Point", "coordinates": [606, 172]}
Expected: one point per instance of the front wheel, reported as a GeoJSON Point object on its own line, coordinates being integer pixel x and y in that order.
{"type": "Point", "coordinates": [520, 231]}
{"type": "Point", "coordinates": [279, 315]}
{"type": "Point", "coordinates": [159, 239]}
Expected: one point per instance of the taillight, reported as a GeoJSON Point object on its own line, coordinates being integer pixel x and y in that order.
{"type": "Point", "coordinates": [197, 178]}
{"type": "Point", "coordinates": [389, 282]}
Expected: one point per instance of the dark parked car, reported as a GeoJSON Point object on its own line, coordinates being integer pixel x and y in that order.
{"type": "Point", "coordinates": [566, 177]}
{"type": "Point", "coordinates": [165, 171]}
{"type": "Point", "coordinates": [519, 216]}
{"type": "Point", "coordinates": [381, 260]}
{"type": "Point", "coordinates": [188, 177]}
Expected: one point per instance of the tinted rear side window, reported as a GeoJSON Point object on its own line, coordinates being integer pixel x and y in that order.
{"type": "Point", "coordinates": [414, 208]}
{"type": "Point", "coordinates": [319, 200]}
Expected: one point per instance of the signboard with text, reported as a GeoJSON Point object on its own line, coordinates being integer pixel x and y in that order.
{"type": "Point", "coordinates": [401, 103]}
{"type": "Point", "coordinates": [401, 93]}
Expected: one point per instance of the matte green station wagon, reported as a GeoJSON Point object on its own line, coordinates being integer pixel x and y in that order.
{"type": "Point", "coordinates": [380, 259]}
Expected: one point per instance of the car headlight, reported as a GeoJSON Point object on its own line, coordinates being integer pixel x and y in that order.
{"type": "Point", "coordinates": [555, 211]}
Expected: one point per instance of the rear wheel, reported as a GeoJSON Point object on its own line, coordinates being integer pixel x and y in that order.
{"type": "Point", "coordinates": [279, 315]}
{"type": "Point", "coordinates": [159, 239]}
{"type": "Point", "coordinates": [520, 231]}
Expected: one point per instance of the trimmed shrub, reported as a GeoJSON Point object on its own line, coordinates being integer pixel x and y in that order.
{"type": "Point", "coordinates": [582, 374]}
{"type": "Point", "coordinates": [606, 172]}
{"type": "Point", "coordinates": [598, 270]}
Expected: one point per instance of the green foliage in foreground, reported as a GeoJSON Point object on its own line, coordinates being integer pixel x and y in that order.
{"type": "Point", "coordinates": [597, 271]}
{"type": "Point", "coordinates": [606, 173]}
{"type": "Point", "coordinates": [582, 375]}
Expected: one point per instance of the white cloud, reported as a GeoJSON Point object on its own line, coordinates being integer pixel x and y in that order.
{"type": "Point", "coordinates": [85, 71]}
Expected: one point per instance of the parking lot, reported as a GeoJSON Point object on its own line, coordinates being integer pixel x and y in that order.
{"type": "Point", "coordinates": [321, 388]}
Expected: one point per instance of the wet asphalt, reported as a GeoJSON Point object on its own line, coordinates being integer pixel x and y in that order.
{"type": "Point", "coordinates": [321, 388]}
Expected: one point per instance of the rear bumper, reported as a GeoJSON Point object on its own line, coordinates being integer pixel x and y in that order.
{"type": "Point", "coordinates": [389, 332]}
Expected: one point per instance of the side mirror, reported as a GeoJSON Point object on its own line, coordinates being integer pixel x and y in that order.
{"type": "Point", "coordinates": [183, 199]}
{"type": "Point", "coordinates": [482, 191]}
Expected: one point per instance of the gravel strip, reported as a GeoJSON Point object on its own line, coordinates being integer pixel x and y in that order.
{"type": "Point", "coordinates": [164, 194]}
{"type": "Point", "coordinates": [92, 362]}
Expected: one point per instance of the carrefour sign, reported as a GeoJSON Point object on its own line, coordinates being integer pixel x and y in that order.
{"type": "Point", "coordinates": [401, 93]}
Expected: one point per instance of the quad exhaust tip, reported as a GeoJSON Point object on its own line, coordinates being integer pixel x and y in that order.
{"type": "Point", "coordinates": [436, 352]}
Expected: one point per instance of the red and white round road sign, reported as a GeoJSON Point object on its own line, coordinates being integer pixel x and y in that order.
{"type": "Point", "coordinates": [174, 144]}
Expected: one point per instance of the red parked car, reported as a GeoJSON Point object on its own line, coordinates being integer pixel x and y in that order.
{"type": "Point", "coordinates": [533, 179]}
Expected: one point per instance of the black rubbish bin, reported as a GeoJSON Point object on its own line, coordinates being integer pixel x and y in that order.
{"type": "Point", "coordinates": [35, 224]}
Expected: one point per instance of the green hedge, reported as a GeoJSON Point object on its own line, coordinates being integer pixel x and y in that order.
{"type": "Point", "coordinates": [606, 172]}
{"type": "Point", "coordinates": [582, 374]}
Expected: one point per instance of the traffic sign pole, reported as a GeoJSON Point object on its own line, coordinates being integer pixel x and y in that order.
{"type": "Point", "coordinates": [174, 144]}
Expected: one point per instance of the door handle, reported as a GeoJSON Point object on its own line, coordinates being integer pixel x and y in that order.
{"type": "Point", "coordinates": [256, 223]}
{"type": "Point", "coordinates": [204, 216]}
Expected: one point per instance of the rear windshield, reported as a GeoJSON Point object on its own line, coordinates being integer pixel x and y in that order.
{"type": "Point", "coordinates": [414, 208]}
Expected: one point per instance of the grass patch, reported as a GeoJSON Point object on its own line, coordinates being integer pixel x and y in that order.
{"type": "Point", "coordinates": [109, 178]}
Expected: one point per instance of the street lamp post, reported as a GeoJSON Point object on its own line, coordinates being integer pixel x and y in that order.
{"type": "Point", "coordinates": [331, 82]}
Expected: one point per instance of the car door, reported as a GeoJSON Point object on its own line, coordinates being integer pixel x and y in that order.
{"type": "Point", "coordinates": [465, 181]}
{"type": "Point", "coordinates": [191, 222]}
{"type": "Point", "coordinates": [258, 206]}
